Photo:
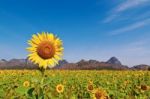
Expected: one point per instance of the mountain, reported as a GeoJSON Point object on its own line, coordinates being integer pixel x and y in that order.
{"type": "Point", "coordinates": [16, 64]}
{"type": "Point", "coordinates": [112, 64]}
{"type": "Point", "coordinates": [23, 64]}
{"type": "Point", "coordinates": [60, 63]}
{"type": "Point", "coordinates": [3, 61]}
{"type": "Point", "coordinates": [141, 67]}
{"type": "Point", "coordinates": [114, 60]}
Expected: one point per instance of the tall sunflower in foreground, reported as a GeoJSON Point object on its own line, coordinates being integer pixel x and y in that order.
{"type": "Point", "coordinates": [45, 49]}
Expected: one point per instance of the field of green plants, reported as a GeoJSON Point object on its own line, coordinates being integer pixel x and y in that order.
{"type": "Point", "coordinates": [65, 84]}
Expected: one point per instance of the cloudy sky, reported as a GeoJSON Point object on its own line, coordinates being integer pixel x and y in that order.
{"type": "Point", "coordinates": [90, 29]}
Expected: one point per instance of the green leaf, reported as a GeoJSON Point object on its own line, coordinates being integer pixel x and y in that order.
{"type": "Point", "coordinates": [30, 92]}
{"type": "Point", "coordinates": [21, 90]}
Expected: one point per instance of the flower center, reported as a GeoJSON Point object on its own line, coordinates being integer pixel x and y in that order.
{"type": "Point", "coordinates": [46, 50]}
{"type": "Point", "coordinates": [98, 95]}
{"type": "Point", "coordinates": [143, 87]}
{"type": "Point", "coordinates": [90, 87]}
{"type": "Point", "coordinates": [59, 88]}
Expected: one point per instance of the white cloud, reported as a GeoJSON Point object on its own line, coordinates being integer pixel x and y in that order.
{"type": "Point", "coordinates": [131, 27]}
{"type": "Point", "coordinates": [129, 4]}
{"type": "Point", "coordinates": [124, 6]}
{"type": "Point", "coordinates": [110, 18]}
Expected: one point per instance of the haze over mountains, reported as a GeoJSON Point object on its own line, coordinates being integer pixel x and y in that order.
{"type": "Point", "coordinates": [112, 64]}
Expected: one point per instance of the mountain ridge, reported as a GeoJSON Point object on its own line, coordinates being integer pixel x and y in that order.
{"type": "Point", "coordinates": [112, 64]}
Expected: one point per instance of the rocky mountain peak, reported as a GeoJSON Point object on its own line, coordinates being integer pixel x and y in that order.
{"type": "Point", "coordinates": [3, 61]}
{"type": "Point", "coordinates": [114, 60]}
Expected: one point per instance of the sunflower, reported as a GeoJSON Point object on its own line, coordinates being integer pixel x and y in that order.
{"type": "Point", "coordinates": [99, 94]}
{"type": "Point", "coordinates": [143, 88]}
{"type": "Point", "coordinates": [45, 49]}
{"type": "Point", "coordinates": [59, 88]}
{"type": "Point", "coordinates": [90, 87]}
{"type": "Point", "coordinates": [26, 84]}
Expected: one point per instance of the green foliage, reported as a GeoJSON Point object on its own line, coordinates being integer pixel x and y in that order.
{"type": "Point", "coordinates": [116, 84]}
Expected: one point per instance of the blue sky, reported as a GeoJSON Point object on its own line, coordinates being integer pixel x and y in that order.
{"type": "Point", "coordinates": [90, 29]}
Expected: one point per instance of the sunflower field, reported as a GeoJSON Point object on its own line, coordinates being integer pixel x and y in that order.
{"type": "Point", "coordinates": [82, 84]}
{"type": "Point", "coordinates": [46, 50]}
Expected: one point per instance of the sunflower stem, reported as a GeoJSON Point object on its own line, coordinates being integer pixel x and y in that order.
{"type": "Point", "coordinates": [43, 75]}
{"type": "Point", "coordinates": [42, 70]}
